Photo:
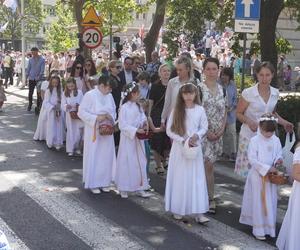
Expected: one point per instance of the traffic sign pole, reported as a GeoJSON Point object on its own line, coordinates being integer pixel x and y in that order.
{"type": "Point", "coordinates": [244, 62]}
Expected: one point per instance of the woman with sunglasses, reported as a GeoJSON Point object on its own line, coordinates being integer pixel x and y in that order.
{"type": "Point", "coordinates": [77, 74]}
{"type": "Point", "coordinates": [89, 70]}
{"type": "Point", "coordinates": [114, 68]}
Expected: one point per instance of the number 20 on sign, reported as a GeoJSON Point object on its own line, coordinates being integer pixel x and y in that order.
{"type": "Point", "coordinates": [92, 37]}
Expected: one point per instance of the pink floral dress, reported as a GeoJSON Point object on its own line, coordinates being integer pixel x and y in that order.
{"type": "Point", "coordinates": [214, 106]}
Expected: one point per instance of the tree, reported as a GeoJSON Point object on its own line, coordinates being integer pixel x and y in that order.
{"type": "Point", "coordinates": [158, 20]}
{"type": "Point", "coordinates": [61, 35]}
{"type": "Point", "coordinates": [33, 19]}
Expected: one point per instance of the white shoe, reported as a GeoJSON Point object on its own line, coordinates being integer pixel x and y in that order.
{"type": "Point", "coordinates": [144, 194]}
{"type": "Point", "coordinates": [57, 147]}
{"type": "Point", "coordinates": [106, 189]}
{"type": "Point", "coordinates": [70, 154]}
{"type": "Point", "coordinates": [177, 216]}
{"type": "Point", "coordinates": [260, 237]}
{"type": "Point", "coordinates": [78, 152]}
{"type": "Point", "coordinates": [201, 219]}
{"type": "Point", "coordinates": [95, 190]}
{"type": "Point", "coordinates": [124, 194]}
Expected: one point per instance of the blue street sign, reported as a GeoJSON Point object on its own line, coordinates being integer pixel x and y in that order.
{"type": "Point", "coordinates": [247, 9]}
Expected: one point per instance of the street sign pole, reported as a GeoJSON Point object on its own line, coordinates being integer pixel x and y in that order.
{"type": "Point", "coordinates": [247, 15]}
{"type": "Point", "coordinates": [23, 43]}
{"type": "Point", "coordinates": [244, 61]}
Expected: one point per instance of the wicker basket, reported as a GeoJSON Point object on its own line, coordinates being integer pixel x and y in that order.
{"type": "Point", "coordinates": [145, 136]}
{"type": "Point", "coordinates": [74, 115]}
{"type": "Point", "coordinates": [106, 129]}
{"type": "Point", "coordinates": [278, 178]}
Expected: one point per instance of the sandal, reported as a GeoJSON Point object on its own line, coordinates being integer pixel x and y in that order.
{"type": "Point", "coordinates": [160, 171]}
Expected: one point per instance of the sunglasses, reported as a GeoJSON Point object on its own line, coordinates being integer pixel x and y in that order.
{"type": "Point", "coordinates": [88, 65]}
{"type": "Point", "coordinates": [78, 67]}
{"type": "Point", "coordinates": [119, 67]}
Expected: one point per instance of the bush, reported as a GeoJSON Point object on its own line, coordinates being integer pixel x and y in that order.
{"type": "Point", "coordinates": [248, 81]}
{"type": "Point", "coordinates": [288, 107]}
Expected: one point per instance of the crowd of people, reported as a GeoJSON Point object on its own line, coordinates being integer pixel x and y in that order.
{"type": "Point", "coordinates": [117, 113]}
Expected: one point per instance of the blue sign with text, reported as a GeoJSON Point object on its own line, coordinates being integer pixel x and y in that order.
{"type": "Point", "coordinates": [247, 9]}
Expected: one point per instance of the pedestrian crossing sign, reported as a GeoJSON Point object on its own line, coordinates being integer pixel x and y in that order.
{"type": "Point", "coordinates": [91, 19]}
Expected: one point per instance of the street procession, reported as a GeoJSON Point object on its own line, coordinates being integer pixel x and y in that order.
{"type": "Point", "coordinates": [149, 124]}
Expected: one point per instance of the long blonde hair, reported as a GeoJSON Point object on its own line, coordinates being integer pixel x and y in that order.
{"type": "Point", "coordinates": [179, 115]}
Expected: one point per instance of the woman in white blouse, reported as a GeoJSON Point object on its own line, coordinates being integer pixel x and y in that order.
{"type": "Point", "coordinates": [254, 102]}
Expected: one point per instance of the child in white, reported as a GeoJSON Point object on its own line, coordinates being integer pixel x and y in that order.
{"type": "Point", "coordinates": [131, 173]}
{"type": "Point", "coordinates": [260, 196]}
{"type": "Point", "coordinates": [288, 238]}
{"type": "Point", "coordinates": [99, 157]}
{"type": "Point", "coordinates": [70, 102]}
{"type": "Point", "coordinates": [186, 190]}
{"type": "Point", "coordinates": [41, 129]}
{"type": "Point", "coordinates": [55, 131]}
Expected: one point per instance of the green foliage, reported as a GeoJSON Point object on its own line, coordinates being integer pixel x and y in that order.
{"type": "Point", "coordinates": [33, 17]}
{"type": "Point", "coordinates": [283, 46]}
{"type": "Point", "coordinates": [288, 107]}
{"type": "Point", "coordinates": [62, 33]}
{"type": "Point", "coordinates": [183, 17]}
{"type": "Point", "coordinates": [247, 83]}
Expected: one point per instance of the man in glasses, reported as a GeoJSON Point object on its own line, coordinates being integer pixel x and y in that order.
{"type": "Point", "coordinates": [127, 75]}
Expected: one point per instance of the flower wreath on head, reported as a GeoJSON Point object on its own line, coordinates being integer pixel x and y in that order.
{"type": "Point", "coordinates": [271, 118]}
{"type": "Point", "coordinates": [128, 90]}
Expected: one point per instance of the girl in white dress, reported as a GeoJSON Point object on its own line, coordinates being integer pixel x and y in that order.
{"type": "Point", "coordinates": [186, 190]}
{"type": "Point", "coordinates": [70, 102]}
{"type": "Point", "coordinates": [260, 196]}
{"type": "Point", "coordinates": [288, 238]}
{"type": "Point", "coordinates": [99, 157]}
{"type": "Point", "coordinates": [55, 130]}
{"type": "Point", "coordinates": [131, 173]}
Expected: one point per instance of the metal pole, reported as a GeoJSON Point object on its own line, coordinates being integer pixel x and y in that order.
{"type": "Point", "coordinates": [244, 62]}
{"type": "Point", "coordinates": [110, 37]}
{"type": "Point", "coordinates": [23, 43]}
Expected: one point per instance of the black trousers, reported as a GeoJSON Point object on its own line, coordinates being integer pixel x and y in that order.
{"type": "Point", "coordinates": [32, 84]}
{"type": "Point", "coordinates": [8, 73]}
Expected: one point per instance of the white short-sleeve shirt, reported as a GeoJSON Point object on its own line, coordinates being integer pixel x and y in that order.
{"type": "Point", "coordinates": [257, 107]}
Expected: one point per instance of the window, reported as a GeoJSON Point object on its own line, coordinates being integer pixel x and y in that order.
{"type": "Point", "coordinates": [137, 16]}
{"type": "Point", "coordinates": [144, 16]}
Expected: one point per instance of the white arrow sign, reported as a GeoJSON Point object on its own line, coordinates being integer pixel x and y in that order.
{"type": "Point", "coordinates": [247, 5]}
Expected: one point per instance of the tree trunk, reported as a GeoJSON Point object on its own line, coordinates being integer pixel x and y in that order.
{"type": "Point", "coordinates": [158, 20]}
{"type": "Point", "coordinates": [77, 8]}
{"type": "Point", "coordinates": [270, 11]}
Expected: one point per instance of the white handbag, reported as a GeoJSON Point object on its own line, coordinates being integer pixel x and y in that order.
{"type": "Point", "coordinates": [287, 154]}
{"type": "Point", "coordinates": [190, 153]}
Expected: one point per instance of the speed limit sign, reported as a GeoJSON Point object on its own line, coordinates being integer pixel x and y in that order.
{"type": "Point", "coordinates": [92, 37]}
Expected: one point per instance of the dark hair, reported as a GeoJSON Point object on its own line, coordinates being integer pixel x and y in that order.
{"type": "Point", "coordinates": [143, 76]}
{"type": "Point", "coordinates": [58, 86]}
{"type": "Point", "coordinates": [74, 68]}
{"type": "Point", "coordinates": [93, 67]}
{"type": "Point", "coordinates": [268, 126]}
{"type": "Point", "coordinates": [186, 54]}
{"type": "Point", "coordinates": [228, 72]}
{"type": "Point", "coordinates": [67, 91]}
{"type": "Point", "coordinates": [212, 60]}
{"type": "Point", "coordinates": [34, 49]}
{"type": "Point", "coordinates": [128, 58]}
{"type": "Point", "coordinates": [53, 72]}
{"type": "Point", "coordinates": [107, 81]}
{"type": "Point", "coordinates": [266, 65]}
{"type": "Point", "coordinates": [179, 115]}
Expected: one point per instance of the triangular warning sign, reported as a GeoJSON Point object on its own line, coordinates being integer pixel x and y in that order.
{"type": "Point", "coordinates": [91, 18]}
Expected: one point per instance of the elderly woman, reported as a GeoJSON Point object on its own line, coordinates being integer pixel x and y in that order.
{"type": "Point", "coordinates": [160, 142]}
{"type": "Point", "coordinates": [254, 102]}
{"type": "Point", "coordinates": [184, 68]}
